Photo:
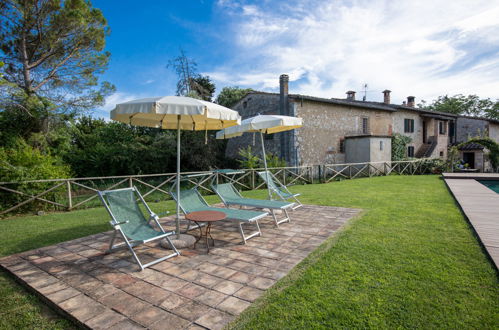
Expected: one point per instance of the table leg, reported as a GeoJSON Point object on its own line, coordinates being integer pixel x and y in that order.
{"type": "Point", "coordinates": [200, 234]}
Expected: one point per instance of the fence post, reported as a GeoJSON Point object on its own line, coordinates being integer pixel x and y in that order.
{"type": "Point", "coordinates": [70, 200]}
{"type": "Point", "coordinates": [320, 173]}
{"type": "Point", "coordinates": [252, 179]}
{"type": "Point", "coordinates": [130, 182]}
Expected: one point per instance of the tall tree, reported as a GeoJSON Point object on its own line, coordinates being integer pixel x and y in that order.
{"type": "Point", "coordinates": [186, 70]}
{"type": "Point", "coordinates": [53, 51]}
{"type": "Point", "coordinates": [470, 105]}
{"type": "Point", "coordinates": [230, 95]}
{"type": "Point", "coordinates": [190, 82]}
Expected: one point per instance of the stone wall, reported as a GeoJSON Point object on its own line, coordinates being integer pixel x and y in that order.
{"type": "Point", "coordinates": [398, 127]}
{"type": "Point", "coordinates": [325, 125]}
{"type": "Point", "coordinates": [249, 106]}
{"type": "Point", "coordinates": [467, 128]}
{"type": "Point", "coordinates": [494, 131]}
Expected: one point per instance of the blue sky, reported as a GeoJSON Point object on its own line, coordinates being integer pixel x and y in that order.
{"type": "Point", "coordinates": [424, 48]}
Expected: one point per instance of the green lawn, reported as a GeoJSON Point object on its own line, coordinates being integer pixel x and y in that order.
{"type": "Point", "coordinates": [410, 261]}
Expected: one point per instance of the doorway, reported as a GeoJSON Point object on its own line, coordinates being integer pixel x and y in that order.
{"type": "Point", "coordinates": [469, 158]}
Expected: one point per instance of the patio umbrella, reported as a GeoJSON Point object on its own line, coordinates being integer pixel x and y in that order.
{"type": "Point", "coordinates": [268, 124]}
{"type": "Point", "coordinates": [176, 112]}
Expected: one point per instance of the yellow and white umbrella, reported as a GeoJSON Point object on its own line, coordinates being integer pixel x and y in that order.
{"type": "Point", "coordinates": [176, 112]}
{"type": "Point", "coordinates": [268, 124]}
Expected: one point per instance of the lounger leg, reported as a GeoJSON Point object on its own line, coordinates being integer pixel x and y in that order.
{"type": "Point", "coordinates": [172, 246]}
{"type": "Point", "coordinates": [299, 204]}
{"type": "Point", "coordinates": [275, 218]}
{"type": "Point", "coordinates": [256, 233]}
{"type": "Point", "coordinates": [288, 219]}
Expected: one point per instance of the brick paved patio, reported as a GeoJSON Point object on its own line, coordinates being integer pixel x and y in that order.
{"type": "Point", "coordinates": [195, 290]}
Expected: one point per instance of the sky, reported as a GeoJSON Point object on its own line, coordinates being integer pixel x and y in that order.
{"type": "Point", "coordinates": [423, 48]}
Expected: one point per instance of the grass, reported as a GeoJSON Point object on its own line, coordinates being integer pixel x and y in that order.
{"type": "Point", "coordinates": [411, 261]}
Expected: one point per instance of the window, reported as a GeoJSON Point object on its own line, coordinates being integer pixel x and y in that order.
{"type": "Point", "coordinates": [441, 153]}
{"type": "Point", "coordinates": [441, 127]}
{"type": "Point", "coordinates": [365, 125]}
{"type": "Point", "coordinates": [342, 145]}
{"type": "Point", "coordinates": [410, 151]}
{"type": "Point", "coordinates": [380, 145]}
{"type": "Point", "coordinates": [409, 125]}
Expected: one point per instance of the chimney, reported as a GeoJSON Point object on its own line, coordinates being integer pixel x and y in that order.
{"type": "Point", "coordinates": [410, 101]}
{"type": "Point", "coordinates": [283, 93]}
{"type": "Point", "coordinates": [386, 96]}
{"type": "Point", "coordinates": [351, 95]}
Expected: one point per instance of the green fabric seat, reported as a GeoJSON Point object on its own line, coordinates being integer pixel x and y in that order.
{"type": "Point", "coordinates": [192, 201]}
{"type": "Point", "coordinates": [230, 196]}
{"type": "Point", "coordinates": [278, 189]}
{"type": "Point", "coordinates": [129, 221]}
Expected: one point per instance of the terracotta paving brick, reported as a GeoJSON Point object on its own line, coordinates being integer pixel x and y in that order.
{"type": "Point", "coordinates": [233, 305]}
{"type": "Point", "coordinates": [241, 277]}
{"type": "Point", "coordinates": [211, 298]}
{"type": "Point", "coordinates": [249, 293]}
{"type": "Point", "coordinates": [215, 319]}
{"type": "Point", "coordinates": [104, 320]}
{"type": "Point", "coordinates": [173, 300]}
{"type": "Point", "coordinates": [124, 303]}
{"type": "Point", "coordinates": [62, 295]}
{"type": "Point", "coordinates": [192, 290]}
{"type": "Point", "coordinates": [149, 316]}
{"type": "Point", "coordinates": [147, 292]}
{"type": "Point", "coordinates": [196, 290]}
{"type": "Point", "coordinates": [170, 322]}
{"type": "Point", "coordinates": [191, 311]}
{"type": "Point", "coordinates": [261, 283]}
{"type": "Point", "coordinates": [228, 287]}
{"type": "Point", "coordinates": [126, 325]}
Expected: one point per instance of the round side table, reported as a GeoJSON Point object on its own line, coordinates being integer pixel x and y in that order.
{"type": "Point", "coordinates": [209, 217]}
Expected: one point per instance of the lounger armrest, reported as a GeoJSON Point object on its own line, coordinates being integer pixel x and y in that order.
{"type": "Point", "coordinates": [118, 223]}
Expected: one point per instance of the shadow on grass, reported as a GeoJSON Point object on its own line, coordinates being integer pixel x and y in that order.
{"type": "Point", "coordinates": [46, 238]}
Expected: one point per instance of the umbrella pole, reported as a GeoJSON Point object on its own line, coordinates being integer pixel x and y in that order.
{"type": "Point", "coordinates": [265, 164]}
{"type": "Point", "coordinates": [177, 222]}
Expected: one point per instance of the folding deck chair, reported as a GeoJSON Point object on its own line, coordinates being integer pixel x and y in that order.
{"type": "Point", "coordinates": [279, 189]}
{"type": "Point", "coordinates": [129, 221]}
{"type": "Point", "coordinates": [230, 196]}
{"type": "Point", "coordinates": [191, 201]}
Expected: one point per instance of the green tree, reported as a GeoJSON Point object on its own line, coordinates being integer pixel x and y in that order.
{"type": "Point", "coordinates": [203, 87]}
{"type": "Point", "coordinates": [53, 52]}
{"type": "Point", "coordinates": [471, 105]}
{"type": "Point", "coordinates": [229, 96]}
{"type": "Point", "coordinates": [399, 146]}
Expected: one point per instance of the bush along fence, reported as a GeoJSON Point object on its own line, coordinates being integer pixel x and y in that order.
{"type": "Point", "coordinates": [77, 193]}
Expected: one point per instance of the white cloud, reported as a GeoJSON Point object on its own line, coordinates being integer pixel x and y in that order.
{"type": "Point", "coordinates": [423, 48]}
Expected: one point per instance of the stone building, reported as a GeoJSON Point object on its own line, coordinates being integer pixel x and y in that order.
{"type": "Point", "coordinates": [347, 130]}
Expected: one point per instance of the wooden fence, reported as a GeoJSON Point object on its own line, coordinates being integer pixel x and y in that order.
{"type": "Point", "coordinates": [75, 193]}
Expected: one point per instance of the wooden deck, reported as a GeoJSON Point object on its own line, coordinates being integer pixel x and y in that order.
{"type": "Point", "coordinates": [475, 176]}
{"type": "Point", "coordinates": [481, 206]}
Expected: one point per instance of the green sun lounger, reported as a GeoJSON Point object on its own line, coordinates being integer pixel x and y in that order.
{"type": "Point", "coordinates": [191, 201]}
{"type": "Point", "coordinates": [130, 223]}
{"type": "Point", "coordinates": [280, 190]}
{"type": "Point", "coordinates": [230, 196]}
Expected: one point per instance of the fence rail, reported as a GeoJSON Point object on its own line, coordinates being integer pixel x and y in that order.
{"type": "Point", "coordinates": [74, 193]}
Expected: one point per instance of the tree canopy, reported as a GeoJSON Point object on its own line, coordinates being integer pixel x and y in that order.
{"type": "Point", "coordinates": [229, 96]}
{"type": "Point", "coordinates": [471, 105]}
{"type": "Point", "coordinates": [53, 52]}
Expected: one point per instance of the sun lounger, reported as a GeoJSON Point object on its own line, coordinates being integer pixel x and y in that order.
{"type": "Point", "coordinates": [130, 223]}
{"type": "Point", "coordinates": [278, 189]}
{"type": "Point", "coordinates": [230, 196]}
{"type": "Point", "coordinates": [191, 201]}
